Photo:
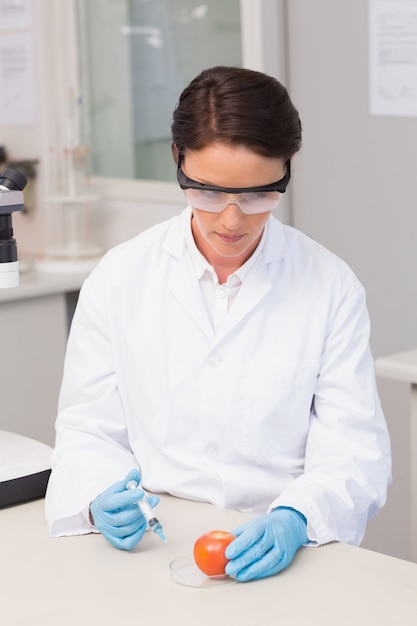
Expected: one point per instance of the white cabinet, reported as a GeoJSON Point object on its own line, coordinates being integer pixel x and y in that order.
{"type": "Point", "coordinates": [402, 366]}
{"type": "Point", "coordinates": [34, 324]}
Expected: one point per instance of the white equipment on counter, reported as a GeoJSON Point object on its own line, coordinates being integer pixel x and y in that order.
{"type": "Point", "coordinates": [25, 466]}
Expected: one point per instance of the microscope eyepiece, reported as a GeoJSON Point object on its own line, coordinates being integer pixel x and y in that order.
{"type": "Point", "coordinates": [12, 179]}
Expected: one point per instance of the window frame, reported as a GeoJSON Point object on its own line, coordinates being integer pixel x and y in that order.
{"type": "Point", "coordinates": [262, 50]}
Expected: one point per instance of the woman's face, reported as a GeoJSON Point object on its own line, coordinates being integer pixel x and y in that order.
{"type": "Point", "coordinates": [229, 238]}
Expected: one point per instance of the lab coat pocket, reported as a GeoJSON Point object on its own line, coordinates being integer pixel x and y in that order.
{"type": "Point", "coordinates": [278, 403]}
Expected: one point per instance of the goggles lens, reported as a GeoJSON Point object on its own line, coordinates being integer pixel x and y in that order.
{"type": "Point", "coordinates": [248, 202]}
{"type": "Point", "coordinates": [251, 200]}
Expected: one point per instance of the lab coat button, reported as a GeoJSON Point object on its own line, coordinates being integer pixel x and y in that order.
{"type": "Point", "coordinates": [212, 450]}
{"type": "Point", "coordinates": [214, 360]}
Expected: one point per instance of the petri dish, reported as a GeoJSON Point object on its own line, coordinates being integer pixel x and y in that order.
{"type": "Point", "coordinates": [185, 572]}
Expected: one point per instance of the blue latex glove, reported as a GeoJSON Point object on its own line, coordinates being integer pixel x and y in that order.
{"type": "Point", "coordinates": [116, 515]}
{"type": "Point", "coordinates": [266, 544]}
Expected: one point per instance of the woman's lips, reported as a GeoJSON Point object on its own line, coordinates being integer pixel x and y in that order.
{"type": "Point", "coordinates": [230, 238]}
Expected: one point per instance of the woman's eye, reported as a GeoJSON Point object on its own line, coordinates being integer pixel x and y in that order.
{"type": "Point", "coordinates": [211, 194]}
{"type": "Point", "coordinates": [256, 195]}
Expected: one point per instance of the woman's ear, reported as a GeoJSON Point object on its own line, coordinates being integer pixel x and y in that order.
{"type": "Point", "coordinates": [175, 152]}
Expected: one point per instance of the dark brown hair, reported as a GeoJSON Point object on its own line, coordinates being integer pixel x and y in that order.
{"type": "Point", "coordinates": [239, 107]}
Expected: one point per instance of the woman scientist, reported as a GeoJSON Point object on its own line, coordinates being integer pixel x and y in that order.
{"type": "Point", "coordinates": [223, 354]}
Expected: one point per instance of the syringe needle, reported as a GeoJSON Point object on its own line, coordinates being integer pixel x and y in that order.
{"type": "Point", "coordinates": [147, 512]}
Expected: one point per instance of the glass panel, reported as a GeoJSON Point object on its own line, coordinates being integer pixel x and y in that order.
{"type": "Point", "coordinates": [136, 56]}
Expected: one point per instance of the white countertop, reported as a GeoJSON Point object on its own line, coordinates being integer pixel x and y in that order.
{"type": "Point", "coordinates": [400, 366]}
{"type": "Point", "coordinates": [34, 283]}
{"type": "Point", "coordinates": [84, 580]}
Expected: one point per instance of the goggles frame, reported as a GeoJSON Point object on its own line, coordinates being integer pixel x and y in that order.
{"type": "Point", "coordinates": [188, 183]}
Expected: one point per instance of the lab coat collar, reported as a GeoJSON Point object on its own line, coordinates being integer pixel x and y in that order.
{"type": "Point", "coordinates": [275, 246]}
{"type": "Point", "coordinates": [256, 285]}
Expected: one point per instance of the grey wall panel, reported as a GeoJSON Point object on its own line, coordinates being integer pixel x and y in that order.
{"type": "Point", "coordinates": [354, 190]}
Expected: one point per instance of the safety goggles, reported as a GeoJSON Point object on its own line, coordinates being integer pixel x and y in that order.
{"type": "Point", "coordinates": [251, 200]}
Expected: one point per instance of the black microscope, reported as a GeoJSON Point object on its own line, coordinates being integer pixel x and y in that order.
{"type": "Point", "coordinates": [25, 464]}
{"type": "Point", "coordinates": [12, 184]}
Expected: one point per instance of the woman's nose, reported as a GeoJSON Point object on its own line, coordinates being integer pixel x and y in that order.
{"type": "Point", "coordinates": [232, 214]}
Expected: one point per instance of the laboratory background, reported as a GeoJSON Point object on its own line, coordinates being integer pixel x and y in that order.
{"type": "Point", "coordinates": [87, 90]}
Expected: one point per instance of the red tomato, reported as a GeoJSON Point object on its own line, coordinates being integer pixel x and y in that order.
{"type": "Point", "coordinates": [209, 552]}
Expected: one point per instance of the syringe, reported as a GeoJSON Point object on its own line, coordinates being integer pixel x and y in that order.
{"type": "Point", "coordinates": [147, 512]}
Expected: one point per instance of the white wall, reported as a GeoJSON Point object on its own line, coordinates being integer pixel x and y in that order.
{"type": "Point", "coordinates": [55, 68]}
{"type": "Point", "coordinates": [28, 142]}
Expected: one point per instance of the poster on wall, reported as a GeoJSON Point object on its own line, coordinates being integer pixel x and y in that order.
{"type": "Point", "coordinates": [17, 71]}
{"type": "Point", "coordinates": [15, 15]}
{"type": "Point", "coordinates": [393, 57]}
{"type": "Point", "coordinates": [17, 80]}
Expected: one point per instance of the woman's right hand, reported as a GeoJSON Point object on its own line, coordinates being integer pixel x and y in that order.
{"type": "Point", "coordinates": [115, 513]}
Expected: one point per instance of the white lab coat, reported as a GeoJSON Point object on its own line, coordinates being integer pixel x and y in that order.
{"type": "Point", "coordinates": [279, 407]}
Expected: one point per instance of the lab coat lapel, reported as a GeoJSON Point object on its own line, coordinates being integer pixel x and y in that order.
{"type": "Point", "coordinates": [182, 280]}
{"type": "Point", "coordinates": [258, 282]}
{"type": "Point", "coordinates": [184, 286]}
{"type": "Point", "coordinates": [253, 290]}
